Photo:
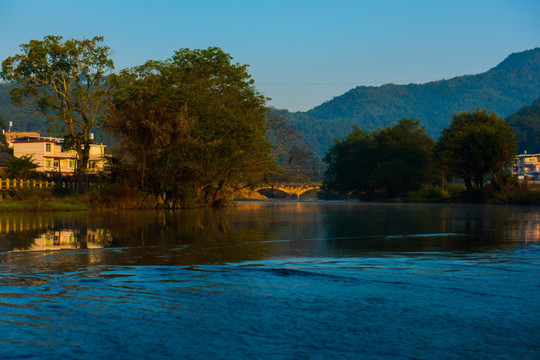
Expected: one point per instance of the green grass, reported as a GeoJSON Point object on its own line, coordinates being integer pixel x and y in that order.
{"type": "Point", "coordinates": [66, 206]}
{"type": "Point", "coordinates": [42, 205]}
{"type": "Point", "coordinates": [14, 205]}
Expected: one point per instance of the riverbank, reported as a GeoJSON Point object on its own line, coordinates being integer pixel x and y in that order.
{"type": "Point", "coordinates": [33, 200]}
{"type": "Point", "coordinates": [24, 205]}
{"type": "Point", "coordinates": [42, 200]}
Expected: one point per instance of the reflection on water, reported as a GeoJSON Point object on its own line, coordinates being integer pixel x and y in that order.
{"type": "Point", "coordinates": [44, 232]}
{"type": "Point", "coordinates": [256, 230]}
{"type": "Point", "coordinates": [280, 280]}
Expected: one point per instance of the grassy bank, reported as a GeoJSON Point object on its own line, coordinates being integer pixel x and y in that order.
{"type": "Point", "coordinates": [35, 199]}
{"type": "Point", "coordinates": [32, 200]}
{"type": "Point", "coordinates": [52, 205]}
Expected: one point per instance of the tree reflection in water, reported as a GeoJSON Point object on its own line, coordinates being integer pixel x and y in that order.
{"type": "Point", "coordinates": [259, 230]}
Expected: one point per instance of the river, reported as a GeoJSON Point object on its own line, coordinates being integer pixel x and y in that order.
{"type": "Point", "coordinates": [273, 280]}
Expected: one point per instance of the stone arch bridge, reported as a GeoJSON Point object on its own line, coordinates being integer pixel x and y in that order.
{"type": "Point", "coordinates": [291, 189]}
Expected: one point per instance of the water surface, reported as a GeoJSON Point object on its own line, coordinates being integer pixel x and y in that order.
{"type": "Point", "coordinates": [284, 280]}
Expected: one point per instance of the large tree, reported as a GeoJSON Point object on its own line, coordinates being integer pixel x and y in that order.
{"type": "Point", "coordinates": [349, 164]}
{"type": "Point", "coordinates": [526, 126]}
{"type": "Point", "coordinates": [387, 162]}
{"type": "Point", "coordinates": [405, 160]}
{"type": "Point", "coordinates": [476, 143]}
{"type": "Point", "coordinates": [3, 143]}
{"type": "Point", "coordinates": [297, 161]}
{"type": "Point", "coordinates": [64, 80]}
{"type": "Point", "coordinates": [193, 127]}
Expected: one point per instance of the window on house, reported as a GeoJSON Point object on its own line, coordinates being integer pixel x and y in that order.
{"type": "Point", "coordinates": [48, 162]}
{"type": "Point", "coordinates": [71, 163]}
{"type": "Point", "coordinates": [48, 147]}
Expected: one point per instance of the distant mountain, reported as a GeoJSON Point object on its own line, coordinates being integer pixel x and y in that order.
{"type": "Point", "coordinates": [512, 84]}
{"type": "Point", "coordinates": [25, 119]}
{"type": "Point", "coordinates": [526, 124]}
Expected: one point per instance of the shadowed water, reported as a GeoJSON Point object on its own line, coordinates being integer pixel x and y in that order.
{"type": "Point", "coordinates": [285, 280]}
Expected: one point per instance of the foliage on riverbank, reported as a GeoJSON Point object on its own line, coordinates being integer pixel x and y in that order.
{"type": "Point", "coordinates": [20, 200]}
{"type": "Point", "coordinates": [42, 200]}
{"type": "Point", "coordinates": [515, 193]}
{"type": "Point", "coordinates": [402, 161]}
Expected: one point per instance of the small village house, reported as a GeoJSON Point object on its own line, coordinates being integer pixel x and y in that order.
{"type": "Point", "coordinates": [50, 156]}
{"type": "Point", "coordinates": [527, 166]}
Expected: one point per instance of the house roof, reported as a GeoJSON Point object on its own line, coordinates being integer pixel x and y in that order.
{"type": "Point", "coordinates": [34, 140]}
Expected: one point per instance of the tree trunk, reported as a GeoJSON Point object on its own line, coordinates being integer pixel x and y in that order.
{"type": "Point", "coordinates": [495, 180]}
{"type": "Point", "coordinates": [84, 155]}
{"type": "Point", "coordinates": [468, 184]}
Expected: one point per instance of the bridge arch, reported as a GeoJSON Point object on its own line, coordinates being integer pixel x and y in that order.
{"type": "Point", "coordinates": [296, 190]}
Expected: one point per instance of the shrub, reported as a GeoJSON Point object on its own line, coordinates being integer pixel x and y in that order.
{"type": "Point", "coordinates": [427, 193]}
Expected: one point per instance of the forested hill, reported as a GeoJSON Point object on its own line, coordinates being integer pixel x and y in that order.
{"type": "Point", "coordinates": [25, 119]}
{"type": "Point", "coordinates": [526, 125]}
{"type": "Point", "coordinates": [509, 86]}
{"type": "Point", "coordinates": [22, 117]}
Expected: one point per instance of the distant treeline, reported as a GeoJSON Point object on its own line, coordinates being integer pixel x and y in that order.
{"type": "Point", "coordinates": [403, 161]}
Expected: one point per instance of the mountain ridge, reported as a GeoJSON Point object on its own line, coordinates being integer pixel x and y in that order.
{"type": "Point", "coordinates": [505, 88]}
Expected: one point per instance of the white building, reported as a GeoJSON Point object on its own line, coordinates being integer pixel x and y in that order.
{"type": "Point", "coordinates": [49, 154]}
{"type": "Point", "coordinates": [527, 165]}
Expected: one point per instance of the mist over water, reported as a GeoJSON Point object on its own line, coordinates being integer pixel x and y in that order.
{"type": "Point", "coordinates": [282, 280]}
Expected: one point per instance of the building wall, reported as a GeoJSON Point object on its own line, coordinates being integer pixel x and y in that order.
{"type": "Point", "coordinates": [36, 149]}
{"type": "Point", "coordinates": [527, 165]}
{"type": "Point", "coordinates": [49, 157]}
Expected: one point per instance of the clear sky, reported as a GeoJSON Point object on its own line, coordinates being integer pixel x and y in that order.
{"type": "Point", "coordinates": [301, 53]}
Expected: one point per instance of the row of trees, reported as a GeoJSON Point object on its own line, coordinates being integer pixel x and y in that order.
{"type": "Point", "coordinates": [402, 158]}
{"type": "Point", "coordinates": [192, 129]}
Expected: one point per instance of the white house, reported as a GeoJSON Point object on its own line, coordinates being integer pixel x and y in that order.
{"type": "Point", "coordinates": [49, 154]}
{"type": "Point", "coordinates": [527, 165]}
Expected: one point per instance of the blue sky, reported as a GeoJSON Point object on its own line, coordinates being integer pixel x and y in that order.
{"type": "Point", "coordinates": [301, 53]}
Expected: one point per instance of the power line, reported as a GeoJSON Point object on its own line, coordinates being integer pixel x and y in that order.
{"type": "Point", "coordinates": [360, 83]}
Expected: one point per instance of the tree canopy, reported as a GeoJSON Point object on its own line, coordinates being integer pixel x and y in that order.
{"type": "Point", "coordinates": [387, 162]}
{"type": "Point", "coordinates": [20, 168]}
{"type": "Point", "coordinates": [526, 126]}
{"type": "Point", "coordinates": [476, 143]}
{"type": "Point", "coordinates": [297, 161]}
{"type": "Point", "coordinates": [63, 80]}
{"type": "Point", "coordinates": [193, 127]}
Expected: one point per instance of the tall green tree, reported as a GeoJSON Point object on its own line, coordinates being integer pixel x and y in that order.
{"type": "Point", "coordinates": [526, 126]}
{"type": "Point", "coordinates": [297, 160]}
{"type": "Point", "coordinates": [387, 162]}
{"type": "Point", "coordinates": [64, 80]}
{"type": "Point", "coordinates": [349, 164]}
{"type": "Point", "coordinates": [477, 143]}
{"type": "Point", "coordinates": [3, 141]}
{"type": "Point", "coordinates": [193, 127]}
{"type": "Point", "coordinates": [405, 158]}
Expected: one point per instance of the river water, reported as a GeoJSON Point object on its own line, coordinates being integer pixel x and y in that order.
{"type": "Point", "coordinates": [273, 280]}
